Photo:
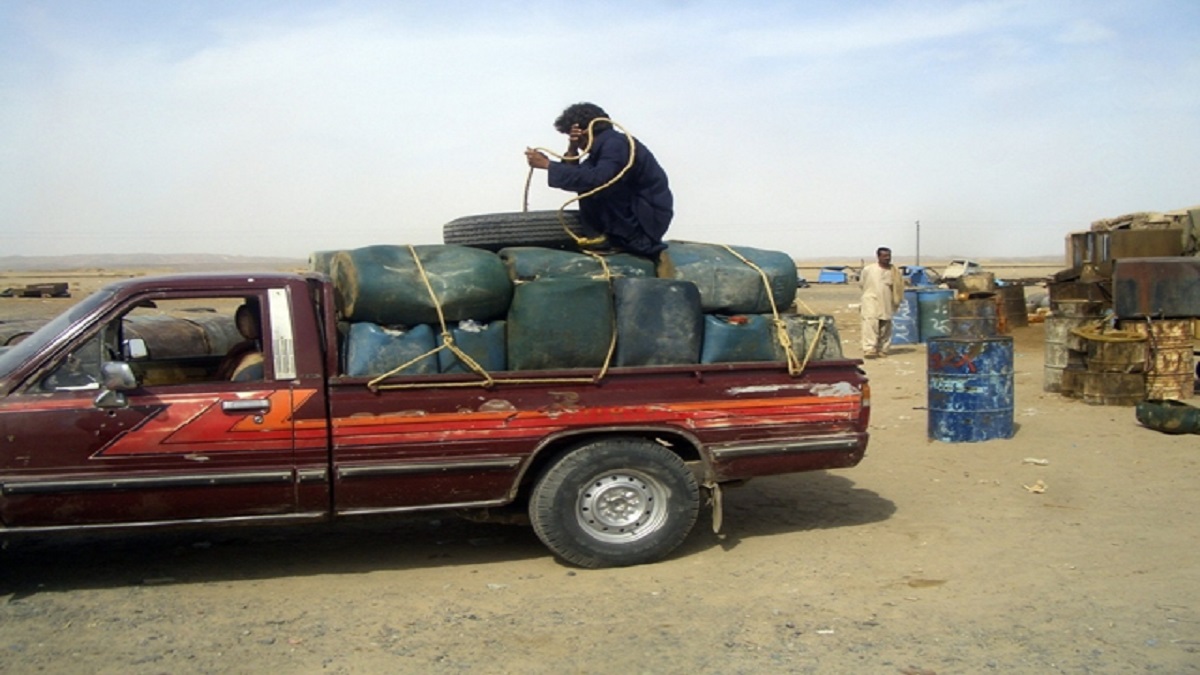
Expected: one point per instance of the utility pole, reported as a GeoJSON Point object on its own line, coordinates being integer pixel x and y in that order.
{"type": "Point", "coordinates": [918, 263]}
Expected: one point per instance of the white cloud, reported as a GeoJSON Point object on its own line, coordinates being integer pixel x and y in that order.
{"type": "Point", "coordinates": [811, 132]}
{"type": "Point", "coordinates": [1085, 31]}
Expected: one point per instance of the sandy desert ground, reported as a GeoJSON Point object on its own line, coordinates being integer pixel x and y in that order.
{"type": "Point", "coordinates": [929, 557]}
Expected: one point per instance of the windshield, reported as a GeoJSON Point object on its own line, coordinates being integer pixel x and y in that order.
{"type": "Point", "coordinates": [17, 354]}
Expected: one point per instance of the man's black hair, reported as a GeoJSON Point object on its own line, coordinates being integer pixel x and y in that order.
{"type": "Point", "coordinates": [581, 114]}
{"type": "Point", "coordinates": [882, 249]}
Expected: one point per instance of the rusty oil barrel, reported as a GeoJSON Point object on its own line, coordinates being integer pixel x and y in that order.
{"type": "Point", "coordinates": [1064, 349]}
{"type": "Point", "coordinates": [1116, 363]}
{"type": "Point", "coordinates": [1118, 389]}
{"type": "Point", "coordinates": [1072, 378]}
{"type": "Point", "coordinates": [1171, 365]}
{"type": "Point", "coordinates": [1011, 311]}
{"type": "Point", "coordinates": [974, 316]}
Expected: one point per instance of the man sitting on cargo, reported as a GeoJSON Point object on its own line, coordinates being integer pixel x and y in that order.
{"type": "Point", "coordinates": [634, 212]}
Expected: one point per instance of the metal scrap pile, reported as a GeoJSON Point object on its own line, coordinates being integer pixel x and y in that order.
{"type": "Point", "coordinates": [1187, 221]}
{"type": "Point", "coordinates": [1136, 275]}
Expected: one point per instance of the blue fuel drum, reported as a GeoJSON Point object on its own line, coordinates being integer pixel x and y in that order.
{"type": "Point", "coordinates": [933, 312]}
{"type": "Point", "coordinates": [906, 326]}
{"type": "Point", "coordinates": [970, 395]}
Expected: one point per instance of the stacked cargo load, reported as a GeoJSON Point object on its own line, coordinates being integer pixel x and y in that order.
{"type": "Point", "coordinates": [423, 310]}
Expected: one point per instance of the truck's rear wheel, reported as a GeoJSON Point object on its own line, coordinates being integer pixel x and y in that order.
{"type": "Point", "coordinates": [614, 503]}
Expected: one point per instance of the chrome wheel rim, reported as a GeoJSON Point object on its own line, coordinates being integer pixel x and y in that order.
{"type": "Point", "coordinates": [622, 506]}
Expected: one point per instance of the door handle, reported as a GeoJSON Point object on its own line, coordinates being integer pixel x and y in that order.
{"type": "Point", "coordinates": [246, 405]}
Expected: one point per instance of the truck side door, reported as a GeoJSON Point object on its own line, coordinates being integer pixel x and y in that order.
{"type": "Point", "coordinates": [186, 443]}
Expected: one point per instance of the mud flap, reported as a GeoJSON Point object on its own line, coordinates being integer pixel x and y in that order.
{"type": "Point", "coordinates": [714, 498]}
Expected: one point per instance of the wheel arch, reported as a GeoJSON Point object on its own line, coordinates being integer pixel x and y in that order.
{"type": "Point", "coordinates": [685, 445]}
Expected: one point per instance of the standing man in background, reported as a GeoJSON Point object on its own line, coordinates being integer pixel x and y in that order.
{"type": "Point", "coordinates": [882, 292]}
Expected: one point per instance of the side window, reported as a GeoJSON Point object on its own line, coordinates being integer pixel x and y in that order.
{"type": "Point", "coordinates": [78, 370]}
{"type": "Point", "coordinates": [190, 340]}
{"type": "Point", "coordinates": [187, 340]}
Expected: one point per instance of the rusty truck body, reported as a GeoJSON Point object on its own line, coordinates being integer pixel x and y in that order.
{"type": "Point", "coordinates": [101, 429]}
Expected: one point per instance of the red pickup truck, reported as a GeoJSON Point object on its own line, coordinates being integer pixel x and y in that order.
{"type": "Point", "coordinates": [114, 415]}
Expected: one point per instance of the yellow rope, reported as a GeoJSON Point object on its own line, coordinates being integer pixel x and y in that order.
{"type": "Point", "coordinates": [795, 365]}
{"type": "Point", "coordinates": [584, 242]}
{"type": "Point", "coordinates": [447, 337]}
{"type": "Point", "coordinates": [803, 304]}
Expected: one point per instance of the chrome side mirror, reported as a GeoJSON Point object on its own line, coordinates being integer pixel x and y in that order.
{"type": "Point", "coordinates": [118, 376]}
{"type": "Point", "coordinates": [135, 349]}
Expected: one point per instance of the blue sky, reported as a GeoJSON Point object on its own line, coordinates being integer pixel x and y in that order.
{"type": "Point", "coordinates": [816, 128]}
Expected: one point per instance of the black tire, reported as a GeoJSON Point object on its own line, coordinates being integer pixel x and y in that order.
{"type": "Point", "coordinates": [615, 503]}
{"type": "Point", "coordinates": [494, 231]}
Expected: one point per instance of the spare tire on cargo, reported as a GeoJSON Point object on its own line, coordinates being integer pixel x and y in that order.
{"type": "Point", "coordinates": [382, 284]}
{"type": "Point", "coordinates": [730, 286]}
{"type": "Point", "coordinates": [494, 231]}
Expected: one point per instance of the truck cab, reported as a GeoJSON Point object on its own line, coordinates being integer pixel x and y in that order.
{"type": "Point", "coordinates": [119, 411]}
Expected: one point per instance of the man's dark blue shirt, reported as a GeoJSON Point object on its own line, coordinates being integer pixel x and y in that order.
{"type": "Point", "coordinates": [635, 211]}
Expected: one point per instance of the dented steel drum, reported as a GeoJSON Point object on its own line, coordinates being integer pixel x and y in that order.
{"type": "Point", "coordinates": [1116, 389]}
{"type": "Point", "coordinates": [970, 396]}
{"type": "Point", "coordinates": [1064, 349]}
{"type": "Point", "coordinates": [1115, 352]}
{"type": "Point", "coordinates": [1171, 363]}
{"type": "Point", "coordinates": [1115, 364]}
{"type": "Point", "coordinates": [1073, 377]}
